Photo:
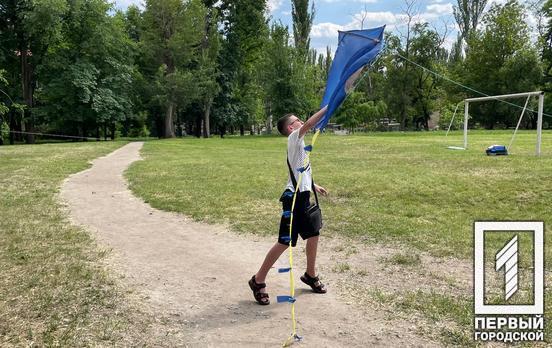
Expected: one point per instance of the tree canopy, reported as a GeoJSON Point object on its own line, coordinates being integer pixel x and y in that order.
{"type": "Point", "coordinates": [203, 67]}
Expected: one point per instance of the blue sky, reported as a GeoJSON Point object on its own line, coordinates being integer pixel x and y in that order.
{"type": "Point", "coordinates": [334, 15]}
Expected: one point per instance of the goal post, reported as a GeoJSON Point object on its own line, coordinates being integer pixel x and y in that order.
{"type": "Point", "coordinates": [540, 94]}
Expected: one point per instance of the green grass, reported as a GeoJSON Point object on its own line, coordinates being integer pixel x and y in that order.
{"type": "Point", "coordinates": [394, 188]}
{"type": "Point", "coordinates": [54, 290]}
{"type": "Point", "coordinates": [405, 188]}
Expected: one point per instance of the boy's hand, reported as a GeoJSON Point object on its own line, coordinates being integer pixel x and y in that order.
{"type": "Point", "coordinates": [320, 190]}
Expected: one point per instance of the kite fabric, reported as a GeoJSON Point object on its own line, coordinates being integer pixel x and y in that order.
{"type": "Point", "coordinates": [355, 50]}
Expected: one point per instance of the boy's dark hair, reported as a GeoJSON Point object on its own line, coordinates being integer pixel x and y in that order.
{"type": "Point", "coordinates": [283, 122]}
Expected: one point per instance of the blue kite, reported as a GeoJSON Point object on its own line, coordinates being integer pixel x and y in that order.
{"type": "Point", "coordinates": [356, 49]}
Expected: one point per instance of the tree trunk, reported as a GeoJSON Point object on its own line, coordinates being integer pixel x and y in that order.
{"type": "Point", "coordinates": [269, 125]}
{"type": "Point", "coordinates": [403, 123]}
{"type": "Point", "coordinates": [198, 125]}
{"type": "Point", "coordinates": [242, 130]}
{"type": "Point", "coordinates": [113, 129]}
{"type": "Point", "coordinates": [26, 81]}
{"type": "Point", "coordinates": [206, 117]}
{"type": "Point", "coordinates": [12, 127]}
{"type": "Point", "coordinates": [169, 128]}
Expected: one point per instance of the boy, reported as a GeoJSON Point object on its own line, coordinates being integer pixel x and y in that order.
{"type": "Point", "coordinates": [295, 130]}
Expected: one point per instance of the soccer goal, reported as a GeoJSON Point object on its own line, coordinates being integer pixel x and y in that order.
{"type": "Point", "coordinates": [501, 98]}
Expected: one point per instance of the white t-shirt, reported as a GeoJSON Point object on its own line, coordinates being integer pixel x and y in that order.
{"type": "Point", "coordinates": [296, 155]}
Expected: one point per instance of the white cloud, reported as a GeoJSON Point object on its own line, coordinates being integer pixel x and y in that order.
{"type": "Point", "coordinates": [440, 9]}
{"type": "Point", "coordinates": [326, 30]}
{"type": "Point", "coordinates": [273, 5]}
{"type": "Point", "coordinates": [367, 19]}
{"type": "Point", "coordinates": [324, 34]}
{"type": "Point", "coordinates": [373, 19]}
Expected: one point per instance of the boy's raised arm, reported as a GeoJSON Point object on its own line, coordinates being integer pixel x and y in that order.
{"type": "Point", "coordinates": [312, 121]}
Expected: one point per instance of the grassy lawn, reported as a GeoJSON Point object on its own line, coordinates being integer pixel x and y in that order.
{"type": "Point", "coordinates": [397, 188]}
{"type": "Point", "coordinates": [392, 188]}
{"type": "Point", "coordinates": [54, 290]}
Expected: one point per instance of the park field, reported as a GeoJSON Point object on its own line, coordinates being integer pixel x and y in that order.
{"type": "Point", "coordinates": [54, 286]}
{"type": "Point", "coordinates": [404, 190]}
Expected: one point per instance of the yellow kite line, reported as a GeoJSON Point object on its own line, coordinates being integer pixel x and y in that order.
{"type": "Point", "coordinates": [294, 335]}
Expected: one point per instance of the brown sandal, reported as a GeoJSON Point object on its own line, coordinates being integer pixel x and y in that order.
{"type": "Point", "coordinates": [314, 283]}
{"type": "Point", "coordinates": [260, 297]}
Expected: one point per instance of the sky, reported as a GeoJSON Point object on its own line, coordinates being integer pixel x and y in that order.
{"type": "Point", "coordinates": [334, 15]}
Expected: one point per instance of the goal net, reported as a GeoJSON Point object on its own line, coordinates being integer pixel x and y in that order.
{"type": "Point", "coordinates": [502, 98]}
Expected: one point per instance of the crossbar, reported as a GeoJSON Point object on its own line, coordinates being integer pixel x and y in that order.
{"type": "Point", "coordinates": [504, 96]}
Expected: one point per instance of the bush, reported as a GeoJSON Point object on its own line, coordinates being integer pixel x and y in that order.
{"type": "Point", "coordinates": [4, 131]}
{"type": "Point", "coordinates": [446, 116]}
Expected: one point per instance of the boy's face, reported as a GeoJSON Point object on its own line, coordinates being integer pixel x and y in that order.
{"type": "Point", "coordinates": [294, 124]}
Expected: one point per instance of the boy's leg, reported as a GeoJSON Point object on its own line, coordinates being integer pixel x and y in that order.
{"type": "Point", "coordinates": [312, 246]}
{"type": "Point", "coordinates": [270, 258]}
{"type": "Point", "coordinates": [310, 277]}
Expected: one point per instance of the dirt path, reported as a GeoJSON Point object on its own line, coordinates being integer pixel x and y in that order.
{"type": "Point", "coordinates": [193, 276]}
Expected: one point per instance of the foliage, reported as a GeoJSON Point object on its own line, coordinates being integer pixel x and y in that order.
{"type": "Point", "coordinates": [501, 60]}
{"type": "Point", "coordinates": [88, 73]}
{"type": "Point", "coordinates": [3, 108]}
{"type": "Point", "coordinates": [467, 14]}
{"type": "Point", "coordinates": [357, 111]}
{"type": "Point", "coordinates": [426, 51]}
{"type": "Point", "coordinates": [302, 24]}
{"type": "Point", "coordinates": [447, 113]}
{"type": "Point", "coordinates": [277, 72]}
{"type": "Point", "coordinates": [171, 37]}
{"type": "Point", "coordinates": [246, 31]}
{"type": "Point", "coordinates": [202, 66]}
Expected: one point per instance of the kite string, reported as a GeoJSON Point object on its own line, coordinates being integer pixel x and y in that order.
{"type": "Point", "coordinates": [463, 86]}
{"type": "Point", "coordinates": [306, 161]}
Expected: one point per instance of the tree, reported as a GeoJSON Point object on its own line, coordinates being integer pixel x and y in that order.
{"type": "Point", "coordinates": [208, 68]}
{"type": "Point", "coordinates": [278, 74]}
{"type": "Point", "coordinates": [302, 24]}
{"type": "Point", "coordinates": [245, 30]}
{"type": "Point", "coordinates": [350, 114]}
{"type": "Point", "coordinates": [401, 73]}
{"type": "Point", "coordinates": [87, 74]}
{"type": "Point", "coordinates": [172, 37]}
{"type": "Point", "coordinates": [307, 76]}
{"type": "Point", "coordinates": [501, 60]}
{"type": "Point", "coordinates": [3, 108]}
{"type": "Point", "coordinates": [27, 29]}
{"type": "Point", "coordinates": [399, 81]}
{"type": "Point", "coordinates": [467, 14]}
{"type": "Point", "coordinates": [546, 51]}
{"type": "Point", "coordinates": [425, 51]}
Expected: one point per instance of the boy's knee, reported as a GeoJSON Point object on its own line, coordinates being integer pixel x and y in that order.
{"type": "Point", "coordinates": [283, 245]}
